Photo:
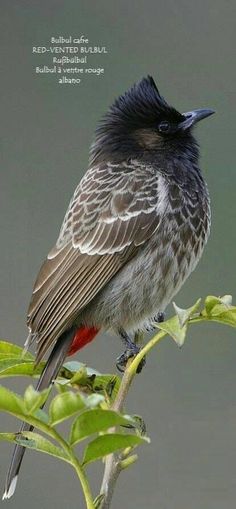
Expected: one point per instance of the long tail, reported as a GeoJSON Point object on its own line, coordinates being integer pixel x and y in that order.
{"type": "Point", "coordinates": [49, 373]}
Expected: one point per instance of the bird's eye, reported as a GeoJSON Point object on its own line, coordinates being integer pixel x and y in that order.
{"type": "Point", "coordinates": [164, 127]}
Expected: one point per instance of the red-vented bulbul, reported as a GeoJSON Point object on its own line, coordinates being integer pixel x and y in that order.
{"type": "Point", "coordinates": [134, 230]}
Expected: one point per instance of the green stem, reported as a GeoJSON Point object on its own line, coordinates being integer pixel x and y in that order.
{"type": "Point", "coordinates": [84, 483]}
{"type": "Point", "coordinates": [112, 463]}
{"type": "Point", "coordinates": [78, 468]}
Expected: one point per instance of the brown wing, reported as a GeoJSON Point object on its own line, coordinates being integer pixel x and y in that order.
{"type": "Point", "coordinates": [115, 209]}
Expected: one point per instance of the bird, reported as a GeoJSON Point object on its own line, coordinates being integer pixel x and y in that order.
{"type": "Point", "coordinates": [135, 229]}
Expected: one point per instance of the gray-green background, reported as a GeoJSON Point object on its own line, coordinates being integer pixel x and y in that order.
{"type": "Point", "coordinates": [186, 397]}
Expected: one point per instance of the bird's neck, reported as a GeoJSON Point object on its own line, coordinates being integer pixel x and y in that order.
{"type": "Point", "coordinates": [117, 149]}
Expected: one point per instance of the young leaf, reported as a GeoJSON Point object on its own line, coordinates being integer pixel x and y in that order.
{"type": "Point", "coordinates": [14, 404]}
{"type": "Point", "coordinates": [74, 372]}
{"type": "Point", "coordinates": [127, 462]}
{"type": "Point", "coordinates": [109, 443]}
{"type": "Point", "coordinates": [173, 328]}
{"type": "Point", "coordinates": [76, 366]}
{"type": "Point", "coordinates": [210, 303]}
{"type": "Point", "coordinates": [224, 315]}
{"type": "Point", "coordinates": [64, 405]}
{"type": "Point", "coordinates": [227, 300]}
{"type": "Point", "coordinates": [94, 421]}
{"type": "Point", "coordinates": [185, 314]}
{"type": "Point", "coordinates": [105, 384]}
{"type": "Point", "coordinates": [81, 377]}
{"type": "Point", "coordinates": [108, 384]}
{"type": "Point", "coordinates": [98, 501]}
{"type": "Point", "coordinates": [34, 399]}
{"type": "Point", "coordinates": [140, 424]}
{"type": "Point", "coordinates": [219, 309]}
{"type": "Point", "coordinates": [94, 400]}
{"type": "Point", "coordinates": [61, 387]}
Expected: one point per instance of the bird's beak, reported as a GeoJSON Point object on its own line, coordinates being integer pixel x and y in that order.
{"type": "Point", "coordinates": [192, 117]}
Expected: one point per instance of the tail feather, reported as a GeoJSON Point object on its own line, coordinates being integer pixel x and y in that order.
{"type": "Point", "coordinates": [49, 373]}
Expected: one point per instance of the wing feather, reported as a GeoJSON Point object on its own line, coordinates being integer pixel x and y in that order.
{"type": "Point", "coordinates": [114, 210]}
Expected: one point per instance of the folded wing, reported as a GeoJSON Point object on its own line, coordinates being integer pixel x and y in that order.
{"type": "Point", "coordinates": [114, 210]}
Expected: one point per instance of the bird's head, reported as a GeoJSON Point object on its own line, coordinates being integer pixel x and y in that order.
{"type": "Point", "coordinates": [141, 124]}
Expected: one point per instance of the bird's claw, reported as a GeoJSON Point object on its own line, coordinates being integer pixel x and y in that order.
{"type": "Point", "coordinates": [128, 354]}
{"type": "Point", "coordinates": [160, 317]}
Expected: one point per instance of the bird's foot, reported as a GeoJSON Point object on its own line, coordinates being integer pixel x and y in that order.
{"type": "Point", "coordinates": [122, 360]}
{"type": "Point", "coordinates": [160, 317]}
{"type": "Point", "coordinates": [131, 350]}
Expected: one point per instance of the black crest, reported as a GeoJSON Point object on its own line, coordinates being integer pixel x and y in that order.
{"type": "Point", "coordinates": [141, 106]}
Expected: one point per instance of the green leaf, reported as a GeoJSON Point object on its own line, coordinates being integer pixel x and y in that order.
{"type": "Point", "coordinates": [94, 400]}
{"type": "Point", "coordinates": [210, 303]}
{"type": "Point", "coordinates": [34, 399]}
{"type": "Point", "coordinates": [81, 377]}
{"type": "Point", "coordinates": [76, 366]}
{"type": "Point", "coordinates": [76, 373]}
{"type": "Point", "coordinates": [173, 328]}
{"type": "Point", "coordinates": [11, 402]}
{"type": "Point", "coordinates": [40, 415]}
{"type": "Point", "coordinates": [14, 404]}
{"type": "Point", "coordinates": [7, 437]}
{"type": "Point", "coordinates": [14, 361]}
{"type": "Point", "coordinates": [185, 314]}
{"type": "Point", "coordinates": [109, 443]}
{"type": "Point", "coordinates": [106, 384]}
{"type": "Point", "coordinates": [33, 440]}
{"type": "Point", "coordinates": [127, 462]}
{"type": "Point", "coordinates": [10, 366]}
{"type": "Point", "coordinates": [94, 421]}
{"type": "Point", "coordinates": [109, 384]}
{"type": "Point", "coordinates": [225, 316]}
{"type": "Point", "coordinates": [227, 300]}
{"type": "Point", "coordinates": [61, 387]}
{"type": "Point", "coordinates": [140, 424]}
{"type": "Point", "coordinates": [64, 405]}
{"type": "Point", "coordinates": [39, 443]}
{"type": "Point", "coordinates": [219, 309]}
{"type": "Point", "coordinates": [13, 350]}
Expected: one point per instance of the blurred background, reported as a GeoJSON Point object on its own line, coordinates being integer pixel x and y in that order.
{"type": "Point", "coordinates": [187, 397]}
